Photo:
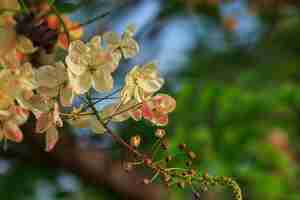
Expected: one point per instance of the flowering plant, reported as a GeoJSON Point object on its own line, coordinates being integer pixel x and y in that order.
{"type": "Point", "coordinates": [45, 83]}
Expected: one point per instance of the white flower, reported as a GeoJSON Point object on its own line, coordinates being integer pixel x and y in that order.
{"type": "Point", "coordinates": [14, 82]}
{"type": "Point", "coordinates": [90, 65]}
{"type": "Point", "coordinates": [141, 83]}
{"type": "Point", "coordinates": [10, 120]}
{"type": "Point", "coordinates": [53, 81]}
{"type": "Point", "coordinates": [47, 123]}
{"type": "Point", "coordinates": [126, 44]}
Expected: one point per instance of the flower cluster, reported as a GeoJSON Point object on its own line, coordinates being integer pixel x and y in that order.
{"type": "Point", "coordinates": [46, 89]}
{"type": "Point", "coordinates": [44, 66]}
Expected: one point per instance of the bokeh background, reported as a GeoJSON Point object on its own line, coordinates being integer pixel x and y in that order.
{"type": "Point", "coordinates": [234, 68]}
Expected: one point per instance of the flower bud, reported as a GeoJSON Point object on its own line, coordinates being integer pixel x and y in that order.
{"type": "Point", "coordinates": [165, 144]}
{"type": "Point", "coordinates": [146, 181]}
{"type": "Point", "coordinates": [188, 163]}
{"type": "Point", "coordinates": [128, 166]}
{"type": "Point", "coordinates": [192, 155]}
{"type": "Point", "coordinates": [181, 184]}
{"type": "Point", "coordinates": [169, 158]}
{"type": "Point", "coordinates": [135, 141]}
{"type": "Point", "coordinates": [147, 161]}
{"type": "Point", "coordinates": [182, 146]}
{"type": "Point", "coordinates": [160, 133]}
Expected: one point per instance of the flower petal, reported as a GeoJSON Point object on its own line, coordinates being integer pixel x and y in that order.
{"type": "Point", "coordinates": [12, 132]}
{"type": "Point", "coordinates": [43, 123]}
{"type": "Point", "coordinates": [51, 138]}
{"type": "Point", "coordinates": [112, 40]}
{"type": "Point", "coordinates": [82, 83]}
{"type": "Point", "coordinates": [46, 76]}
{"type": "Point", "coordinates": [130, 48]}
{"type": "Point", "coordinates": [24, 45]}
{"type": "Point", "coordinates": [95, 43]}
{"type": "Point", "coordinates": [160, 119]}
{"type": "Point", "coordinates": [102, 80]}
{"type": "Point", "coordinates": [76, 59]}
{"type": "Point", "coordinates": [66, 95]}
{"type": "Point", "coordinates": [20, 114]}
{"type": "Point", "coordinates": [164, 103]}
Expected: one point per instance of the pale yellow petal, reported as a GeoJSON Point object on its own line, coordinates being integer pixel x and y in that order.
{"type": "Point", "coordinates": [20, 115]}
{"type": "Point", "coordinates": [51, 138]}
{"type": "Point", "coordinates": [24, 45]}
{"type": "Point", "coordinates": [151, 86]}
{"type": "Point", "coordinates": [112, 40]}
{"type": "Point", "coordinates": [46, 76]}
{"type": "Point", "coordinates": [95, 43]}
{"type": "Point", "coordinates": [9, 4]}
{"type": "Point", "coordinates": [116, 58]}
{"type": "Point", "coordinates": [82, 83]}
{"type": "Point", "coordinates": [5, 99]}
{"type": "Point", "coordinates": [48, 92]}
{"type": "Point", "coordinates": [102, 80]}
{"type": "Point", "coordinates": [76, 59]}
{"type": "Point", "coordinates": [43, 123]}
{"type": "Point", "coordinates": [130, 48]}
{"type": "Point", "coordinates": [12, 132]}
{"type": "Point", "coordinates": [127, 93]}
{"type": "Point", "coordinates": [66, 95]}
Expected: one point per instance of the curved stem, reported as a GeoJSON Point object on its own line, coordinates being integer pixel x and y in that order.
{"type": "Point", "coordinates": [109, 131]}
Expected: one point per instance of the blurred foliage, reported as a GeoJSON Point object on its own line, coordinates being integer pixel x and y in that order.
{"type": "Point", "coordinates": [239, 108]}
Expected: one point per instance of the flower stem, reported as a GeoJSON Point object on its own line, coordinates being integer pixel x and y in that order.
{"type": "Point", "coordinates": [110, 132]}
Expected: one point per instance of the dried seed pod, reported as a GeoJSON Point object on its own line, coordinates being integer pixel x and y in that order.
{"type": "Point", "coordinates": [182, 146]}
{"type": "Point", "coordinates": [147, 161]}
{"type": "Point", "coordinates": [181, 184]}
{"type": "Point", "coordinates": [192, 155]}
{"type": "Point", "coordinates": [146, 181]}
{"type": "Point", "coordinates": [160, 133]}
{"type": "Point", "coordinates": [167, 178]}
{"type": "Point", "coordinates": [165, 144]}
{"type": "Point", "coordinates": [192, 172]}
{"type": "Point", "coordinates": [135, 141]}
{"type": "Point", "coordinates": [128, 166]}
{"type": "Point", "coordinates": [196, 195]}
{"type": "Point", "coordinates": [188, 163]}
{"type": "Point", "coordinates": [169, 158]}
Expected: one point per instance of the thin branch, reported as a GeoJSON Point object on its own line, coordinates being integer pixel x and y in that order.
{"type": "Point", "coordinates": [109, 131]}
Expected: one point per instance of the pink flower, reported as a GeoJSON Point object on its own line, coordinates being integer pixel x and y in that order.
{"type": "Point", "coordinates": [47, 123]}
{"type": "Point", "coordinates": [10, 120]}
{"type": "Point", "coordinates": [155, 110]}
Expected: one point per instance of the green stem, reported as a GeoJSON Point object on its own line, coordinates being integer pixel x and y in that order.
{"type": "Point", "coordinates": [92, 20]}
{"type": "Point", "coordinates": [222, 181]}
